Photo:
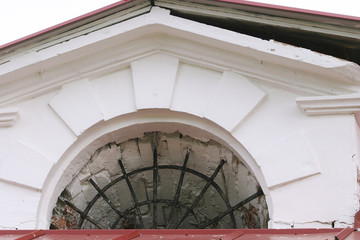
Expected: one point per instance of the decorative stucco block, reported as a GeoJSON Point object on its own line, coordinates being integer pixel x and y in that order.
{"type": "Point", "coordinates": [287, 161]}
{"type": "Point", "coordinates": [154, 79]}
{"type": "Point", "coordinates": [273, 121]}
{"type": "Point", "coordinates": [77, 106]}
{"type": "Point", "coordinates": [41, 129]}
{"type": "Point", "coordinates": [22, 165]}
{"type": "Point", "coordinates": [115, 93]}
{"type": "Point", "coordinates": [234, 98]}
{"type": "Point", "coordinates": [193, 89]}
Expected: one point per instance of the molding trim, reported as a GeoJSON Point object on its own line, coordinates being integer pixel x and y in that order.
{"type": "Point", "coordinates": [8, 117]}
{"type": "Point", "coordinates": [320, 105]}
{"type": "Point", "coordinates": [109, 48]}
{"type": "Point", "coordinates": [216, 10]}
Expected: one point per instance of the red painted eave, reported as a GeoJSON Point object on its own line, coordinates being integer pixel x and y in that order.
{"type": "Point", "coordinates": [60, 25]}
{"type": "Point", "coordinates": [171, 234]}
{"type": "Point", "coordinates": [88, 17]}
{"type": "Point", "coordinates": [276, 10]}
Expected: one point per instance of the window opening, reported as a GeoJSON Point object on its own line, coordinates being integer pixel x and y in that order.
{"type": "Point", "coordinates": [174, 194]}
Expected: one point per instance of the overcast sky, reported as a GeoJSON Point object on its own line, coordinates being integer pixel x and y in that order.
{"type": "Point", "coordinates": [20, 18]}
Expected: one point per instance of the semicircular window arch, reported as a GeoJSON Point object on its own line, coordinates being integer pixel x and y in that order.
{"type": "Point", "coordinates": [162, 181]}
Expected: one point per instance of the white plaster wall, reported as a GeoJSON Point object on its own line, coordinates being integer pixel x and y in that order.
{"type": "Point", "coordinates": [306, 161]}
{"type": "Point", "coordinates": [315, 154]}
{"type": "Point", "coordinates": [18, 206]}
{"type": "Point", "coordinates": [305, 164]}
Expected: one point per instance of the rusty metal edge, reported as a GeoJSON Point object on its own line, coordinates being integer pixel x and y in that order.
{"type": "Point", "coordinates": [128, 236]}
{"type": "Point", "coordinates": [31, 235]}
{"type": "Point", "coordinates": [344, 233]}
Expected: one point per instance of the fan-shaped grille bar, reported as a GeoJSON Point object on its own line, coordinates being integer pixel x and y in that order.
{"type": "Point", "coordinates": [175, 203]}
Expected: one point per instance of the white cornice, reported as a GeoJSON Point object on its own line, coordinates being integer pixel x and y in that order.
{"type": "Point", "coordinates": [187, 29]}
{"type": "Point", "coordinates": [341, 104]}
{"type": "Point", "coordinates": [40, 70]}
{"type": "Point", "coordinates": [261, 18]}
{"type": "Point", "coordinates": [8, 117]}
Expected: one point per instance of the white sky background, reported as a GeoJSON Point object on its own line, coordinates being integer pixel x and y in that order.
{"type": "Point", "coordinates": [20, 18]}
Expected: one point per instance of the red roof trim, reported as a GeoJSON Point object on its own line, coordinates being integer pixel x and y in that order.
{"type": "Point", "coordinates": [176, 234]}
{"type": "Point", "coordinates": [122, 2]}
{"type": "Point", "coordinates": [63, 24]}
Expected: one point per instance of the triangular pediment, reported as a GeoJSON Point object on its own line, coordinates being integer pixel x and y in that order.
{"type": "Point", "coordinates": [110, 48]}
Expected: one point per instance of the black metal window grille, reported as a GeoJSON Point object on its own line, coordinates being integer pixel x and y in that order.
{"type": "Point", "coordinates": [133, 214]}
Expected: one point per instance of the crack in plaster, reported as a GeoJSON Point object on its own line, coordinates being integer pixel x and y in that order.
{"type": "Point", "coordinates": [330, 224]}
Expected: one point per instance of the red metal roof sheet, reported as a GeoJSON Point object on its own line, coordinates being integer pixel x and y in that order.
{"type": "Point", "coordinates": [179, 234]}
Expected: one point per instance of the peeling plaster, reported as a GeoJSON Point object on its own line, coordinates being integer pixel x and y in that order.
{"type": "Point", "coordinates": [235, 179]}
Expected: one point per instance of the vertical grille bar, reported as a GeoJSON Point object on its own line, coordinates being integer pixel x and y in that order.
{"type": "Point", "coordinates": [202, 193]}
{"type": "Point", "coordinates": [155, 177]}
{"type": "Point", "coordinates": [132, 192]}
{"type": "Point", "coordinates": [178, 190]}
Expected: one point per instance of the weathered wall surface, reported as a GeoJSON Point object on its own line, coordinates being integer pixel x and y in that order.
{"type": "Point", "coordinates": [61, 103]}
{"type": "Point", "coordinates": [234, 180]}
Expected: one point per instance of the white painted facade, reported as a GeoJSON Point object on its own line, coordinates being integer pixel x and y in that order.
{"type": "Point", "coordinates": [288, 112]}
